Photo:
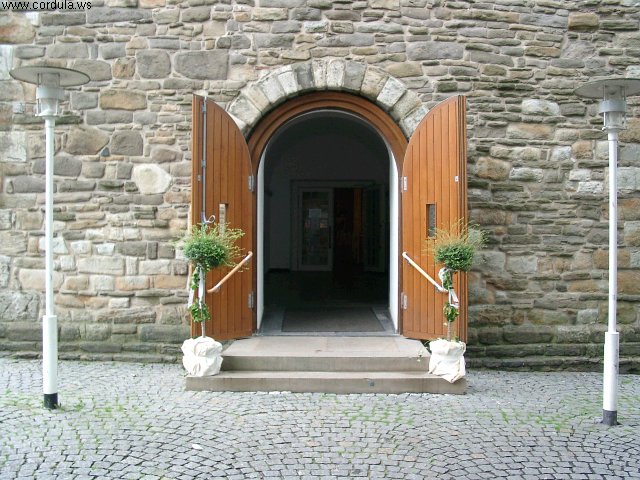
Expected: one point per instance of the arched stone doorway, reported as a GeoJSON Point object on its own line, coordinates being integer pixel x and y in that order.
{"type": "Point", "coordinates": [429, 171]}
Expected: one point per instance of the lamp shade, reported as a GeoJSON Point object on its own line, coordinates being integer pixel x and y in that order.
{"type": "Point", "coordinates": [50, 82]}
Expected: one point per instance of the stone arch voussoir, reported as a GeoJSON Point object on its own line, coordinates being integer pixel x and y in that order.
{"type": "Point", "coordinates": [367, 81]}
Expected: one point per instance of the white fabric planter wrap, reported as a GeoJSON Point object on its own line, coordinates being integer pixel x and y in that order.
{"type": "Point", "coordinates": [202, 356]}
{"type": "Point", "coordinates": [447, 359]}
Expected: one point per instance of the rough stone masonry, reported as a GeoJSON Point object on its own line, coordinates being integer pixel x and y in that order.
{"type": "Point", "coordinates": [537, 157]}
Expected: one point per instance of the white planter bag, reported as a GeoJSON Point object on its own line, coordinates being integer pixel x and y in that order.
{"type": "Point", "coordinates": [447, 359]}
{"type": "Point", "coordinates": [202, 356]}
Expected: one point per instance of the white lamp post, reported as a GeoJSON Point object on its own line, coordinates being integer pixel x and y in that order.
{"type": "Point", "coordinates": [50, 81]}
{"type": "Point", "coordinates": [612, 92]}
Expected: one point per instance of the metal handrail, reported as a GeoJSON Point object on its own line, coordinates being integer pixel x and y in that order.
{"type": "Point", "coordinates": [440, 288]}
{"type": "Point", "coordinates": [216, 288]}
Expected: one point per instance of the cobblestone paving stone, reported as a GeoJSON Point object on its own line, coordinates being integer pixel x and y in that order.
{"type": "Point", "coordinates": [135, 421]}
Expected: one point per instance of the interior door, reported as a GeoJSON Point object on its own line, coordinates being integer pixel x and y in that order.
{"type": "Point", "coordinates": [314, 225]}
{"type": "Point", "coordinates": [222, 186]}
{"type": "Point", "coordinates": [374, 211]}
{"type": "Point", "coordinates": [434, 193]}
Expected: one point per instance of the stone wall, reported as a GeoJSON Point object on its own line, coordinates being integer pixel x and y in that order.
{"type": "Point", "coordinates": [537, 156]}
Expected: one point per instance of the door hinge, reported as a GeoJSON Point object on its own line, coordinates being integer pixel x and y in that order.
{"type": "Point", "coordinates": [199, 178]}
{"type": "Point", "coordinates": [252, 183]}
{"type": "Point", "coordinates": [204, 106]}
{"type": "Point", "coordinates": [404, 184]}
{"type": "Point", "coordinates": [456, 178]}
{"type": "Point", "coordinates": [404, 301]}
{"type": "Point", "coordinates": [252, 301]}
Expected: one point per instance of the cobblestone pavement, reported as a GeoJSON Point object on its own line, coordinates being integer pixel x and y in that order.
{"type": "Point", "coordinates": [121, 420]}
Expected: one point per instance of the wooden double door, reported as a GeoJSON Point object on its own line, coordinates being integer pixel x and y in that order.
{"type": "Point", "coordinates": [432, 191]}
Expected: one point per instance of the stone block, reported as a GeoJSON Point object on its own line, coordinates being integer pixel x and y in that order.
{"type": "Point", "coordinates": [196, 14]}
{"type": "Point", "coordinates": [169, 282]}
{"type": "Point", "coordinates": [76, 283]}
{"type": "Point", "coordinates": [392, 91]}
{"type": "Point", "coordinates": [128, 143]}
{"type": "Point", "coordinates": [25, 184]}
{"type": "Point", "coordinates": [134, 249]}
{"type": "Point", "coordinates": [165, 155]}
{"type": "Point", "coordinates": [132, 282]}
{"type": "Point", "coordinates": [532, 106]}
{"type": "Point", "coordinates": [583, 21]}
{"type": "Point", "coordinates": [12, 242]}
{"type": "Point", "coordinates": [84, 100]}
{"type": "Point", "coordinates": [530, 131]}
{"type": "Point", "coordinates": [164, 333]}
{"type": "Point", "coordinates": [354, 73]}
{"type": "Point", "coordinates": [15, 28]}
{"type": "Point", "coordinates": [246, 111]}
{"type": "Point", "coordinates": [155, 267]}
{"type": "Point", "coordinates": [101, 265]}
{"type": "Point", "coordinates": [435, 51]}
{"type": "Point", "coordinates": [5, 270]}
{"type": "Point", "coordinates": [153, 63]}
{"type": "Point", "coordinates": [134, 315]}
{"type": "Point", "coordinates": [6, 219]}
{"type": "Point", "coordinates": [80, 247]}
{"type": "Point", "coordinates": [493, 169]}
{"type": "Point", "coordinates": [526, 174]}
{"type": "Point", "coordinates": [487, 58]}
{"type": "Point", "coordinates": [102, 283]}
{"type": "Point", "coordinates": [13, 147]}
{"type": "Point", "coordinates": [69, 332]}
{"type": "Point", "coordinates": [67, 50]}
{"type": "Point", "coordinates": [97, 332]}
{"type": "Point", "coordinates": [25, 332]}
{"type": "Point", "coordinates": [206, 65]}
{"type": "Point", "coordinates": [526, 264]}
{"type": "Point", "coordinates": [261, 14]}
{"type": "Point", "coordinates": [122, 100]}
{"type": "Point", "coordinates": [16, 306]}
{"type": "Point", "coordinates": [28, 52]}
{"type": "Point", "coordinates": [151, 178]}
{"type": "Point", "coordinates": [124, 67]}
{"type": "Point", "coordinates": [93, 170]}
{"type": "Point", "coordinates": [96, 69]}
{"type": "Point", "coordinates": [104, 15]}
{"type": "Point", "coordinates": [528, 334]}
{"type": "Point", "coordinates": [110, 51]}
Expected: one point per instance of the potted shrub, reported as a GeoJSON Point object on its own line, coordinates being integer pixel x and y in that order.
{"type": "Point", "coordinates": [455, 249]}
{"type": "Point", "coordinates": [207, 247]}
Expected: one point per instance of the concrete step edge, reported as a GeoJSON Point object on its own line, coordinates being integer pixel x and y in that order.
{"type": "Point", "coordinates": [323, 363]}
{"type": "Point", "coordinates": [326, 382]}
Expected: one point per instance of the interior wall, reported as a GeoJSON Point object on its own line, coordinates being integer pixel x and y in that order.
{"type": "Point", "coordinates": [324, 147]}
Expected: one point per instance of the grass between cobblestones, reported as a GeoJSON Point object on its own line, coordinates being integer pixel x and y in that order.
{"type": "Point", "coordinates": [121, 420]}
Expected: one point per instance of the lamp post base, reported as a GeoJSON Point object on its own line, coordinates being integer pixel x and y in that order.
{"type": "Point", "coordinates": [51, 401]}
{"type": "Point", "coordinates": [609, 418]}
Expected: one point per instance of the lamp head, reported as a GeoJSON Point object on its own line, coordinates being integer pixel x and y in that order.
{"type": "Point", "coordinates": [50, 82]}
{"type": "Point", "coordinates": [612, 92]}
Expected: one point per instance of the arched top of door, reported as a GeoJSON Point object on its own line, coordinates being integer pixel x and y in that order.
{"type": "Point", "coordinates": [361, 89]}
{"type": "Point", "coordinates": [278, 117]}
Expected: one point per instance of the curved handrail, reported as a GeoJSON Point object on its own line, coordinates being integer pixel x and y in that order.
{"type": "Point", "coordinates": [216, 288]}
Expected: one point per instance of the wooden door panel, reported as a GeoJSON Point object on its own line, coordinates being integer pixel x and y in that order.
{"type": "Point", "coordinates": [433, 181]}
{"type": "Point", "coordinates": [224, 180]}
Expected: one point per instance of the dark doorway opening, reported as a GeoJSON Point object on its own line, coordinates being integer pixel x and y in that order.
{"type": "Point", "coordinates": [326, 224]}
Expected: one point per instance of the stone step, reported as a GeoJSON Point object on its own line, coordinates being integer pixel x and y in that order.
{"type": "Point", "coordinates": [326, 364]}
{"type": "Point", "coordinates": [326, 382]}
{"type": "Point", "coordinates": [331, 354]}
